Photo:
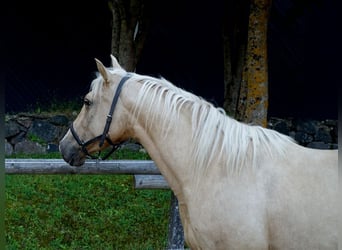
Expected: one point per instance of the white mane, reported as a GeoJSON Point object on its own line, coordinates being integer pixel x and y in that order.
{"type": "Point", "coordinates": [214, 135]}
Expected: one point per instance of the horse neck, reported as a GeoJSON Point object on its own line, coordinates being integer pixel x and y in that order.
{"type": "Point", "coordinates": [168, 148]}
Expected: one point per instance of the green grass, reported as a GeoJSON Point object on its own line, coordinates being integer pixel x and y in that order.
{"type": "Point", "coordinates": [84, 212]}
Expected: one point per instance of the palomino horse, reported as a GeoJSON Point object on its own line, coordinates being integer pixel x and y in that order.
{"type": "Point", "coordinates": [238, 186]}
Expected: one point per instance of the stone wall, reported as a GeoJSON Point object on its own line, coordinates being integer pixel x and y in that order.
{"type": "Point", "coordinates": [27, 133]}
{"type": "Point", "coordinates": [307, 132]}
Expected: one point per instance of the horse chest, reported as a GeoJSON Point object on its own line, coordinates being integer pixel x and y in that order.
{"type": "Point", "coordinates": [225, 218]}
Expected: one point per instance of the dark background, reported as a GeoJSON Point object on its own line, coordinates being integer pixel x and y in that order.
{"type": "Point", "coordinates": [50, 47]}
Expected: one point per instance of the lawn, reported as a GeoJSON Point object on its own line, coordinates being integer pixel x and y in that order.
{"type": "Point", "coordinates": [84, 212]}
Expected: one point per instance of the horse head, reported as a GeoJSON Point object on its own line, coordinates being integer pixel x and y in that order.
{"type": "Point", "coordinates": [102, 121]}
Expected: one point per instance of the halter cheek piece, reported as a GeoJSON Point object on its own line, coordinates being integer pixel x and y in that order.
{"type": "Point", "coordinates": [104, 136]}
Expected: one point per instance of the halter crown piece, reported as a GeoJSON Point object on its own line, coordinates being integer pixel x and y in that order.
{"type": "Point", "coordinates": [103, 137]}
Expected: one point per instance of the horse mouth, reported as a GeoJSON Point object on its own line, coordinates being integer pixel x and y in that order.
{"type": "Point", "coordinates": [75, 162]}
{"type": "Point", "coordinates": [71, 155]}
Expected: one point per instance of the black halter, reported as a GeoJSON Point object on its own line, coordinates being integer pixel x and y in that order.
{"type": "Point", "coordinates": [103, 137]}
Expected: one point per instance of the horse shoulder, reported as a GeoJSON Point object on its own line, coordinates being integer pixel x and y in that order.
{"type": "Point", "coordinates": [301, 193]}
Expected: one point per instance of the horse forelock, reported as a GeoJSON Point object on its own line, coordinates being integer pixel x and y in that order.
{"type": "Point", "coordinates": [97, 83]}
{"type": "Point", "coordinates": [96, 87]}
{"type": "Point", "coordinates": [215, 136]}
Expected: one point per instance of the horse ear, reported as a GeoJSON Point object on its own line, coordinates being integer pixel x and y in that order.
{"type": "Point", "coordinates": [115, 63]}
{"type": "Point", "coordinates": [103, 71]}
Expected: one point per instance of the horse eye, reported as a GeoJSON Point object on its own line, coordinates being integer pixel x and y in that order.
{"type": "Point", "coordinates": [87, 102]}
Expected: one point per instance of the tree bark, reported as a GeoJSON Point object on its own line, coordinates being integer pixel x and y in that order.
{"type": "Point", "coordinates": [246, 83]}
{"type": "Point", "coordinates": [131, 19]}
{"type": "Point", "coordinates": [235, 28]}
{"type": "Point", "coordinates": [256, 68]}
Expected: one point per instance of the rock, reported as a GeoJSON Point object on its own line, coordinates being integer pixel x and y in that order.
{"type": "Point", "coordinates": [25, 122]}
{"type": "Point", "coordinates": [334, 134]}
{"type": "Point", "coordinates": [12, 128]}
{"type": "Point", "coordinates": [52, 148]}
{"type": "Point", "coordinates": [323, 134]}
{"type": "Point", "coordinates": [330, 123]}
{"type": "Point", "coordinates": [59, 120]}
{"type": "Point", "coordinates": [8, 148]}
{"type": "Point", "coordinates": [306, 126]}
{"type": "Point", "coordinates": [29, 147]}
{"type": "Point", "coordinates": [17, 138]}
{"type": "Point", "coordinates": [282, 127]}
{"type": "Point", "coordinates": [43, 130]}
{"type": "Point", "coordinates": [303, 138]}
{"type": "Point", "coordinates": [319, 145]}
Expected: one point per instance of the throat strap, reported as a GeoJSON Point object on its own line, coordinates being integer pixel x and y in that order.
{"type": "Point", "coordinates": [112, 107]}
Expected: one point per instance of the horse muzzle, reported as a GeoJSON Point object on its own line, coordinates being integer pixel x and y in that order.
{"type": "Point", "coordinates": [71, 152]}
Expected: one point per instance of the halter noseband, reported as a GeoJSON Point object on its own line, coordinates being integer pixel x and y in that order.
{"type": "Point", "coordinates": [103, 137]}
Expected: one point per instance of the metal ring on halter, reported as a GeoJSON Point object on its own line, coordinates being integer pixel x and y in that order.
{"type": "Point", "coordinates": [104, 136]}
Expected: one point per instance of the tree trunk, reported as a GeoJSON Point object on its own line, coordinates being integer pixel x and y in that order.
{"type": "Point", "coordinates": [246, 96]}
{"type": "Point", "coordinates": [131, 19]}
{"type": "Point", "coordinates": [235, 28]}
{"type": "Point", "coordinates": [256, 70]}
